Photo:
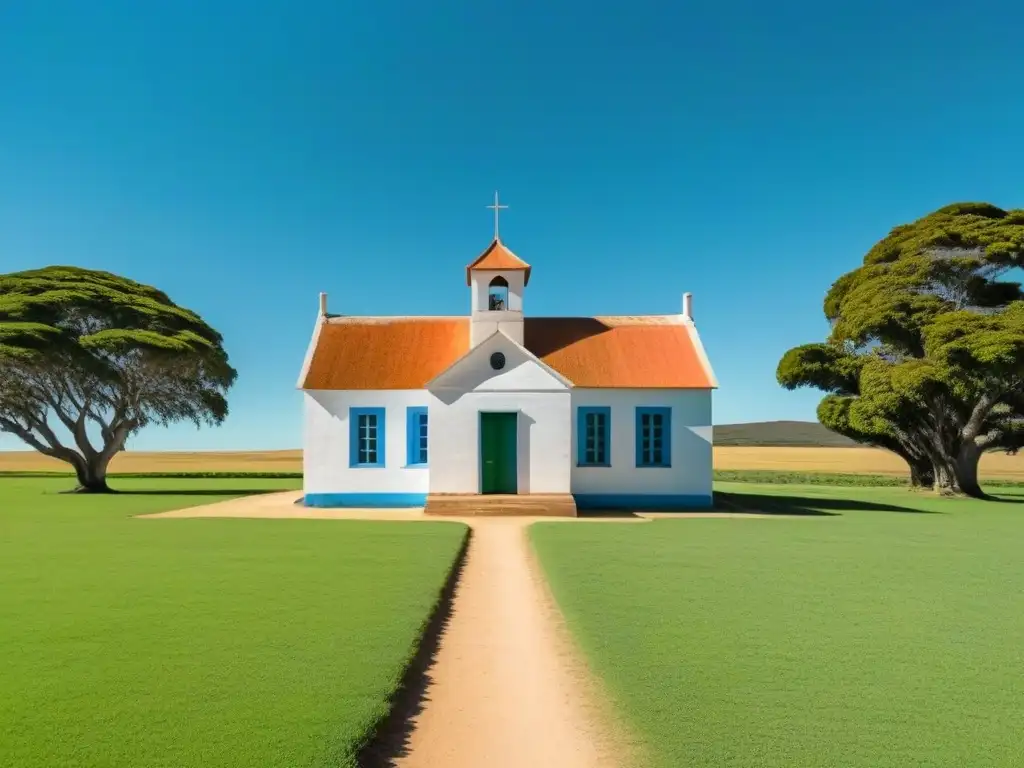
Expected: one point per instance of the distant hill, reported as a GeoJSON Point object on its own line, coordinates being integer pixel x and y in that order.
{"type": "Point", "coordinates": [780, 433]}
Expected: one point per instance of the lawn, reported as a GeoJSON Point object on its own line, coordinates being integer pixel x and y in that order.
{"type": "Point", "coordinates": [883, 627]}
{"type": "Point", "coordinates": [180, 643]}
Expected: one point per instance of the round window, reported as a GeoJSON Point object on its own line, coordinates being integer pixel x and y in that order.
{"type": "Point", "coordinates": [497, 361]}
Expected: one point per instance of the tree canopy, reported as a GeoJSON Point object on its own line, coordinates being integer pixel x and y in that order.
{"type": "Point", "coordinates": [926, 352]}
{"type": "Point", "coordinates": [103, 355]}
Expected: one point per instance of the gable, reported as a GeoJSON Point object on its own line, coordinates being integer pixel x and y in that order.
{"type": "Point", "coordinates": [522, 371]}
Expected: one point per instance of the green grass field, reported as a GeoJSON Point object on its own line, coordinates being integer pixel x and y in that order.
{"type": "Point", "coordinates": [883, 628]}
{"type": "Point", "coordinates": [181, 643]}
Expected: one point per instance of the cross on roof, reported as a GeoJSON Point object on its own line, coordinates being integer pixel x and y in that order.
{"type": "Point", "coordinates": [496, 208]}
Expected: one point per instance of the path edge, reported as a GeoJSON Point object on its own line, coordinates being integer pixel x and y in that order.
{"type": "Point", "coordinates": [387, 737]}
{"type": "Point", "coordinates": [620, 736]}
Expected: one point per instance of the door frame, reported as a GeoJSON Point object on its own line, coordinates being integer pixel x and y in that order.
{"type": "Point", "coordinates": [480, 447]}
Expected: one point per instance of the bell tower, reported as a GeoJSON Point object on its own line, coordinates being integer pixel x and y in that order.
{"type": "Point", "coordinates": [497, 279]}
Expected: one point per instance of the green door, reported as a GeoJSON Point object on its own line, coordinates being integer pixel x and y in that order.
{"type": "Point", "coordinates": [498, 452]}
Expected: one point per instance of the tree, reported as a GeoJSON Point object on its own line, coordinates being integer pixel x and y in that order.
{"type": "Point", "coordinates": [105, 356]}
{"type": "Point", "coordinates": [926, 352]}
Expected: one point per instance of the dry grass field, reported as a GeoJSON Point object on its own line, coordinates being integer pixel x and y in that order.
{"type": "Point", "coordinates": [859, 461]}
{"type": "Point", "coordinates": [863, 461]}
{"type": "Point", "coordinates": [194, 461]}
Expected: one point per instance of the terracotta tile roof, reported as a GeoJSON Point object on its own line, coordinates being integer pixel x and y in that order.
{"type": "Point", "coordinates": [386, 352]}
{"type": "Point", "coordinates": [407, 352]}
{"type": "Point", "coordinates": [619, 352]}
{"type": "Point", "coordinates": [497, 256]}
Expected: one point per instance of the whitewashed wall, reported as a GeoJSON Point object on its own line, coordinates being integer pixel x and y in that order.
{"type": "Point", "coordinates": [543, 441]}
{"type": "Point", "coordinates": [325, 456]}
{"type": "Point", "coordinates": [480, 280]}
{"type": "Point", "coordinates": [484, 323]}
{"type": "Point", "coordinates": [547, 420]}
{"type": "Point", "coordinates": [541, 400]}
{"type": "Point", "coordinates": [690, 473]}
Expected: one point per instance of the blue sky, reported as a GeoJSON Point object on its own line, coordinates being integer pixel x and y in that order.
{"type": "Point", "coordinates": [245, 156]}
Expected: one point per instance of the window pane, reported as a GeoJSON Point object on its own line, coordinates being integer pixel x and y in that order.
{"type": "Point", "coordinates": [594, 437]}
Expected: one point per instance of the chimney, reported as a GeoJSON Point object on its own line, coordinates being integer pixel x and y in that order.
{"type": "Point", "coordinates": [323, 304]}
{"type": "Point", "coordinates": [688, 306]}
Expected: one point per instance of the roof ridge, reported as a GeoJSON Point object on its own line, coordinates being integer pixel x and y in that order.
{"type": "Point", "coordinates": [665, 319]}
{"type": "Point", "coordinates": [588, 317]}
{"type": "Point", "coordinates": [358, 318]}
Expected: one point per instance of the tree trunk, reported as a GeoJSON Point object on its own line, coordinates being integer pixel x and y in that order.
{"type": "Point", "coordinates": [945, 478]}
{"type": "Point", "coordinates": [922, 475]}
{"type": "Point", "coordinates": [967, 472]}
{"type": "Point", "coordinates": [92, 475]}
{"type": "Point", "coordinates": [958, 475]}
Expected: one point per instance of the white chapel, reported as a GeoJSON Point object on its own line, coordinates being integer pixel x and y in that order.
{"type": "Point", "coordinates": [496, 405]}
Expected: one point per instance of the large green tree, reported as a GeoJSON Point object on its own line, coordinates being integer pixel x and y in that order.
{"type": "Point", "coordinates": [926, 352]}
{"type": "Point", "coordinates": [101, 356]}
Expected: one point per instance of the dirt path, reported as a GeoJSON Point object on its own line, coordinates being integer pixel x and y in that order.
{"type": "Point", "coordinates": [501, 685]}
{"type": "Point", "coordinates": [505, 689]}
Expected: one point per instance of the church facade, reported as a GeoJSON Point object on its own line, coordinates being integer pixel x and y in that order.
{"type": "Point", "coordinates": [615, 411]}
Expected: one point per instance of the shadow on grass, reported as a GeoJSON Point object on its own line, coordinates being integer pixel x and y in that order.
{"type": "Point", "coordinates": [45, 473]}
{"type": "Point", "coordinates": [1003, 498]}
{"type": "Point", "coordinates": [390, 740]}
{"type": "Point", "coordinates": [611, 514]}
{"type": "Point", "coordinates": [803, 506]}
{"type": "Point", "coordinates": [201, 492]}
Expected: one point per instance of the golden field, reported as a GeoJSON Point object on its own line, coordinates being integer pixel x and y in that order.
{"type": "Point", "coordinates": [170, 461]}
{"type": "Point", "coordinates": [866, 461]}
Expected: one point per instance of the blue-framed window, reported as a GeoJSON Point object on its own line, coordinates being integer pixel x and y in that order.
{"type": "Point", "coordinates": [654, 437]}
{"type": "Point", "coordinates": [593, 436]}
{"type": "Point", "coordinates": [366, 437]}
{"type": "Point", "coordinates": [416, 437]}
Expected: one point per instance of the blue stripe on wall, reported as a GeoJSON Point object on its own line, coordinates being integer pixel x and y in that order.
{"type": "Point", "coordinates": [382, 500]}
{"type": "Point", "coordinates": [642, 501]}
